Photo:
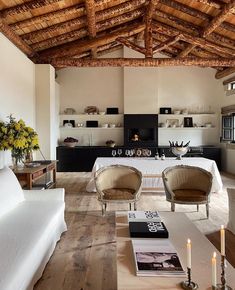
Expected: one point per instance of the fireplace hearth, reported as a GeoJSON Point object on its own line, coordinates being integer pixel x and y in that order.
{"type": "Point", "coordinates": [141, 130]}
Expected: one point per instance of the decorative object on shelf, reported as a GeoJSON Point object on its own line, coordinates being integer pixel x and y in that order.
{"type": "Point", "coordinates": [112, 125]}
{"type": "Point", "coordinates": [172, 123]}
{"type": "Point", "coordinates": [179, 150]}
{"type": "Point", "coordinates": [185, 112]}
{"type": "Point", "coordinates": [105, 125]}
{"type": "Point", "coordinates": [93, 110]}
{"type": "Point", "coordinates": [70, 142]}
{"type": "Point", "coordinates": [188, 122]}
{"type": "Point", "coordinates": [110, 143]}
{"type": "Point", "coordinates": [19, 138]}
{"type": "Point", "coordinates": [102, 113]}
{"type": "Point", "coordinates": [91, 124]}
{"type": "Point", "coordinates": [112, 111]}
{"type": "Point", "coordinates": [165, 110]}
{"type": "Point", "coordinates": [80, 125]}
{"type": "Point", "coordinates": [69, 111]}
{"type": "Point", "coordinates": [69, 123]}
{"type": "Point", "coordinates": [177, 112]}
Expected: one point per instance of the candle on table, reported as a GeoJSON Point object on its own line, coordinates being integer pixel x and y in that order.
{"type": "Point", "coordinates": [214, 271]}
{"type": "Point", "coordinates": [189, 253]}
{"type": "Point", "coordinates": [222, 241]}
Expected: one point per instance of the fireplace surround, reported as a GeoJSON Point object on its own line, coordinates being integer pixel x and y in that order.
{"type": "Point", "coordinates": [141, 130]}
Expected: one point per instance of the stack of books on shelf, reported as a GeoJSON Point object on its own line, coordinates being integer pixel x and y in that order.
{"type": "Point", "coordinates": [154, 254]}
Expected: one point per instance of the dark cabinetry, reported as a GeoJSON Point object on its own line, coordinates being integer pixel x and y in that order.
{"type": "Point", "coordinates": [79, 159]}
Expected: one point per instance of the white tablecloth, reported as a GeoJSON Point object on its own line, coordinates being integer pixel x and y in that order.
{"type": "Point", "coordinates": [150, 166]}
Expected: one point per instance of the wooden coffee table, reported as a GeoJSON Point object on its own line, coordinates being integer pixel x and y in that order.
{"type": "Point", "coordinates": [180, 229]}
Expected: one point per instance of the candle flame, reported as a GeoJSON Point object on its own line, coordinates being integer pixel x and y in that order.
{"type": "Point", "coordinates": [214, 255]}
{"type": "Point", "coordinates": [189, 241]}
{"type": "Point", "coordinates": [222, 227]}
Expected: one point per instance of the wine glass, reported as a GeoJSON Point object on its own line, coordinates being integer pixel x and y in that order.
{"type": "Point", "coordinates": [127, 152]}
{"type": "Point", "coordinates": [119, 152]}
{"type": "Point", "coordinates": [114, 153]}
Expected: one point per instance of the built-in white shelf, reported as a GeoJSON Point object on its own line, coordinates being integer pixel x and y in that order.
{"type": "Point", "coordinates": [186, 128]}
{"type": "Point", "coordinates": [89, 128]}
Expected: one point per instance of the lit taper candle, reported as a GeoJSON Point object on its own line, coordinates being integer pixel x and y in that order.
{"type": "Point", "coordinates": [222, 241]}
{"type": "Point", "coordinates": [214, 271]}
{"type": "Point", "coordinates": [189, 248]}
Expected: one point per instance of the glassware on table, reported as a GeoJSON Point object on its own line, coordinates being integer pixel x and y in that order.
{"type": "Point", "coordinates": [119, 152]}
{"type": "Point", "coordinates": [148, 152]}
{"type": "Point", "coordinates": [127, 152]}
{"type": "Point", "coordinates": [131, 153]}
{"type": "Point", "coordinates": [114, 153]}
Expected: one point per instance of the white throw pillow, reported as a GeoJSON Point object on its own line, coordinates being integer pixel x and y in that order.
{"type": "Point", "coordinates": [231, 216]}
{"type": "Point", "coordinates": [11, 192]}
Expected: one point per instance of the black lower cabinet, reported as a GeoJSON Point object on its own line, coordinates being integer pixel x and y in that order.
{"type": "Point", "coordinates": [82, 159]}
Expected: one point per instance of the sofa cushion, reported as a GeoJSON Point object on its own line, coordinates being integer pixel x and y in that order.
{"type": "Point", "coordinates": [27, 234]}
{"type": "Point", "coordinates": [11, 192]}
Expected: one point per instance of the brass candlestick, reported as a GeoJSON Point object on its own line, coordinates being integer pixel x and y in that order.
{"type": "Point", "coordinates": [189, 284]}
{"type": "Point", "coordinates": [223, 285]}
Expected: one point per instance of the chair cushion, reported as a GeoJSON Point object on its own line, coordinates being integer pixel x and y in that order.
{"type": "Point", "coordinates": [118, 193]}
{"type": "Point", "coordinates": [190, 195]}
{"type": "Point", "coordinates": [11, 193]}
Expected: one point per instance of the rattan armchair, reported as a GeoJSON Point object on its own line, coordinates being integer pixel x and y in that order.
{"type": "Point", "coordinates": [118, 184]}
{"type": "Point", "coordinates": [187, 185]}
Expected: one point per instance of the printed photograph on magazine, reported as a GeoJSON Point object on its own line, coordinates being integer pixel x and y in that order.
{"type": "Point", "coordinates": [158, 261]}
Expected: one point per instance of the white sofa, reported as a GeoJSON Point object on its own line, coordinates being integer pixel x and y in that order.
{"type": "Point", "coordinates": [31, 223]}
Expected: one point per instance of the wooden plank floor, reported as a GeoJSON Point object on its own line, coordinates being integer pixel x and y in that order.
{"type": "Point", "coordinates": [85, 257]}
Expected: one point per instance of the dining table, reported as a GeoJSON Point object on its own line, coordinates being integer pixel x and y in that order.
{"type": "Point", "coordinates": [152, 169]}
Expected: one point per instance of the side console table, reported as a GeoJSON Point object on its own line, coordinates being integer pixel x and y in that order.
{"type": "Point", "coordinates": [28, 175]}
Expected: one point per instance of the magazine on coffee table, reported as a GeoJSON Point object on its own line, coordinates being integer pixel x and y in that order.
{"type": "Point", "coordinates": [143, 216]}
{"type": "Point", "coordinates": [156, 257]}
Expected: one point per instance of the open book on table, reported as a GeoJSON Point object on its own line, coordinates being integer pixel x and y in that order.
{"type": "Point", "coordinates": [156, 257]}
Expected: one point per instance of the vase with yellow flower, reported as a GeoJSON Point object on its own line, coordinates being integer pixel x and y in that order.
{"type": "Point", "coordinates": [19, 138]}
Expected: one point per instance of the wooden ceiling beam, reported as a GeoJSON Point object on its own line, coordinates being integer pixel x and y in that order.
{"type": "Point", "coordinates": [198, 52]}
{"type": "Point", "coordinates": [212, 3]}
{"type": "Point", "coordinates": [170, 31]}
{"type": "Point", "coordinates": [224, 73]}
{"type": "Point", "coordinates": [166, 44]}
{"type": "Point", "coordinates": [226, 11]}
{"type": "Point", "coordinates": [78, 46]}
{"type": "Point", "coordinates": [195, 13]}
{"type": "Point", "coordinates": [80, 22]}
{"type": "Point", "coordinates": [148, 30]}
{"type": "Point", "coordinates": [77, 10]}
{"type": "Point", "coordinates": [193, 29]}
{"type": "Point", "coordinates": [25, 7]}
{"type": "Point", "coordinates": [77, 34]}
{"type": "Point", "coordinates": [15, 39]}
{"type": "Point", "coordinates": [91, 22]}
{"type": "Point", "coordinates": [141, 62]}
{"type": "Point", "coordinates": [131, 45]}
{"type": "Point", "coordinates": [216, 21]}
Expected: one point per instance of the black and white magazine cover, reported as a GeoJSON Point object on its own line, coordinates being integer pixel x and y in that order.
{"type": "Point", "coordinates": [143, 216]}
{"type": "Point", "coordinates": [155, 257]}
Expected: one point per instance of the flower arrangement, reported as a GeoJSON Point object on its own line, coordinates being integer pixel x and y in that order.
{"type": "Point", "coordinates": [17, 137]}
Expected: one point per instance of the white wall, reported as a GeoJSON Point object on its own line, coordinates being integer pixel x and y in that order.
{"type": "Point", "coordinates": [46, 115]}
{"type": "Point", "coordinates": [144, 91]}
{"type": "Point", "coordinates": [140, 87]}
{"type": "Point", "coordinates": [197, 90]}
{"type": "Point", "coordinates": [82, 87]}
{"type": "Point", "coordinates": [17, 87]}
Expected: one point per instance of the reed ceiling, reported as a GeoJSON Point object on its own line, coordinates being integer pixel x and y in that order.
{"type": "Point", "coordinates": [79, 32]}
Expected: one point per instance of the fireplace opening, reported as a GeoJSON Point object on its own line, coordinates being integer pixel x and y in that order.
{"type": "Point", "coordinates": [141, 130]}
{"type": "Point", "coordinates": [141, 134]}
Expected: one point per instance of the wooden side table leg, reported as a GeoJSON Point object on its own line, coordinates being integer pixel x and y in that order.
{"type": "Point", "coordinates": [29, 181]}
